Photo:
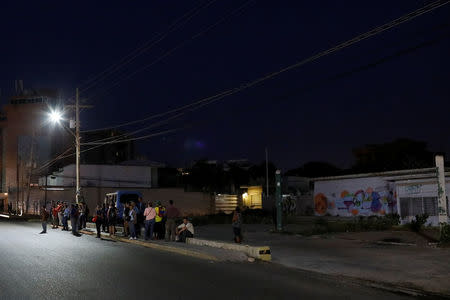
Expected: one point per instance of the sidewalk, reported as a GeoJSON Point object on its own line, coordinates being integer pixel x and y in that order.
{"type": "Point", "coordinates": [367, 255]}
{"type": "Point", "coordinates": [207, 253]}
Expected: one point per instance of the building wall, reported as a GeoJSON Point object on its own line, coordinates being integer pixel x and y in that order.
{"type": "Point", "coordinates": [418, 190]}
{"type": "Point", "coordinates": [354, 197]}
{"type": "Point", "coordinates": [21, 120]}
{"type": "Point", "coordinates": [104, 176]}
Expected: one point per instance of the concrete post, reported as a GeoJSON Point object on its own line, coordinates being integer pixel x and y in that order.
{"type": "Point", "coordinates": [279, 200]}
{"type": "Point", "coordinates": [442, 199]}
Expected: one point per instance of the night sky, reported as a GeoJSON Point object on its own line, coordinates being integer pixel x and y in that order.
{"type": "Point", "coordinates": [395, 84]}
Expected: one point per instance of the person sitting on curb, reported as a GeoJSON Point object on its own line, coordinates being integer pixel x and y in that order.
{"type": "Point", "coordinates": [185, 230]}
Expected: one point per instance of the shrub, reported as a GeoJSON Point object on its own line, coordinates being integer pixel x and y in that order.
{"type": "Point", "coordinates": [444, 237]}
{"type": "Point", "coordinates": [394, 218]}
{"type": "Point", "coordinates": [417, 224]}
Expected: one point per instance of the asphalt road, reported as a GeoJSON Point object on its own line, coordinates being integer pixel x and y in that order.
{"type": "Point", "coordinates": [60, 266]}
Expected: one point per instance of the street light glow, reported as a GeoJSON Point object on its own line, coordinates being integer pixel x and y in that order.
{"type": "Point", "coordinates": [55, 116]}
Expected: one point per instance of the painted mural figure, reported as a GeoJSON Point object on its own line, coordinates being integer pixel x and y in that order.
{"type": "Point", "coordinates": [359, 203]}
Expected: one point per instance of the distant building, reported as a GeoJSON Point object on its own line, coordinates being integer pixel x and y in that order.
{"type": "Point", "coordinates": [116, 176]}
{"type": "Point", "coordinates": [26, 140]}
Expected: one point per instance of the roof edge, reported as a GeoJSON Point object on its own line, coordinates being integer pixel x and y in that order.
{"type": "Point", "coordinates": [376, 174]}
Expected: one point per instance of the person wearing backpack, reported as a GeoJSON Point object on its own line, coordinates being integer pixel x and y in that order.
{"type": "Point", "coordinates": [44, 219]}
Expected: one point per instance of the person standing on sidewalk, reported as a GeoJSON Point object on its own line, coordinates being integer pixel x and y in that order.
{"type": "Point", "coordinates": [237, 225]}
{"type": "Point", "coordinates": [60, 213]}
{"type": "Point", "coordinates": [44, 219]}
{"type": "Point", "coordinates": [82, 216]}
{"type": "Point", "coordinates": [55, 216]}
{"type": "Point", "coordinates": [150, 215]}
{"type": "Point", "coordinates": [98, 220]}
{"type": "Point", "coordinates": [140, 207]}
{"type": "Point", "coordinates": [86, 213]}
{"type": "Point", "coordinates": [158, 220]}
{"type": "Point", "coordinates": [172, 214]}
{"type": "Point", "coordinates": [133, 221]}
{"type": "Point", "coordinates": [126, 220]}
{"type": "Point", "coordinates": [74, 220]}
{"type": "Point", "coordinates": [105, 218]}
{"type": "Point", "coordinates": [112, 219]}
{"type": "Point", "coordinates": [66, 215]}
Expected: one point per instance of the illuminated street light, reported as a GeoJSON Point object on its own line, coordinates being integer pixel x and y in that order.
{"type": "Point", "coordinates": [55, 116]}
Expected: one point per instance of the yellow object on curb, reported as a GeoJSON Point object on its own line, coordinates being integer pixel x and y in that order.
{"type": "Point", "coordinates": [264, 254]}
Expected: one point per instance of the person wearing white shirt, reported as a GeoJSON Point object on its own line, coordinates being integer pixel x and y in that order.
{"type": "Point", "coordinates": [185, 230]}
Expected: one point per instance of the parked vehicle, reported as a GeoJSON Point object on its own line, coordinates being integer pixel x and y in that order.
{"type": "Point", "coordinates": [119, 198]}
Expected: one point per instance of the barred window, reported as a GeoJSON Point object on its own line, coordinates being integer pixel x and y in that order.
{"type": "Point", "coordinates": [412, 206]}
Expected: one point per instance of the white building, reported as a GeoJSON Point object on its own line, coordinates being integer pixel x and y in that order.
{"type": "Point", "coordinates": [117, 176]}
{"type": "Point", "coordinates": [407, 192]}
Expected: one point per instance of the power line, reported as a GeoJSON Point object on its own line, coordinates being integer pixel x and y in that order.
{"type": "Point", "coordinates": [136, 131]}
{"type": "Point", "coordinates": [52, 161]}
{"type": "Point", "coordinates": [355, 70]}
{"type": "Point", "coordinates": [132, 139]}
{"type": "Point", "coordinates": [184, 19]}
{"type": "Point", "coordinates": [169, 52]}
{"type": "Point", "coordinates": [62, 156]}
{"type": "Point", "coordinates": [160, 114]}
{"type": "Point", "coordinates": [405, 18]}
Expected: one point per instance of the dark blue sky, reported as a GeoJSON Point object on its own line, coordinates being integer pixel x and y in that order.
{"type": "Point", "coordinates": [317, 112]}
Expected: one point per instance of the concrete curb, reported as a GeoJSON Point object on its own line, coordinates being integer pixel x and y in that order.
{"type": "Point", "coordinates": [156, 246]}
{"type": "Point", "coordinates": [258, 252]}
{"type": "Point", "coordinates": [395, 243]}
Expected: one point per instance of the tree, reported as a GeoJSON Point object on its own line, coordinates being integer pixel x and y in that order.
{"type": "Point", "coordinates": [209, 177]}
{"type": "Point", "coordinates": [399, 154]}
{"type": "Point", "coordinates": [315, 169]}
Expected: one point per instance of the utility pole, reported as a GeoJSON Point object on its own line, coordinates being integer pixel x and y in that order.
{"type": "Point", "coordinates": [46, 187]}
{"type": "Point", "coordinates": [17, 176]}
{"type": "Point", "coordinates": [77, 108]}
{"type": "Point", "coordinates": [267, 175]}
{"type": "Point", "coordinates": [279, 200]}
{"type": "Point", "coordinates": [77, 144]}
{"type": "Point", "coordinates": [30, 170]}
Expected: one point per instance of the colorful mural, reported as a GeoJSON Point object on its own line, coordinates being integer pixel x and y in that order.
{"type": "Point", "coordinates": [358, 203]}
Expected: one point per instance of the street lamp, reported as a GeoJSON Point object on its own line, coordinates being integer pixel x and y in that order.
{"type": "Point", "coordinates": [55, 116]}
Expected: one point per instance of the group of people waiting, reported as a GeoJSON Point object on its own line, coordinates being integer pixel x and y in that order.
{"type": "Point", "coordinates": [61, 213]}
{"type": "Point", "coordinates": [160, 223]}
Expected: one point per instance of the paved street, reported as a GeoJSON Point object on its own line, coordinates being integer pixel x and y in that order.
{"type": "Point", "coordinates": [354, 254]}
{"type": "Point", "coordinates": [60, 266]}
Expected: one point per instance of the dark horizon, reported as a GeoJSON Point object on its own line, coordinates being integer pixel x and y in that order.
{"type": "Point", "coordinates": [393, 85]}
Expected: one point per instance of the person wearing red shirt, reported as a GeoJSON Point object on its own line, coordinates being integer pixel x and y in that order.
{"type": "Point", "coordinates": [55, 216]}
